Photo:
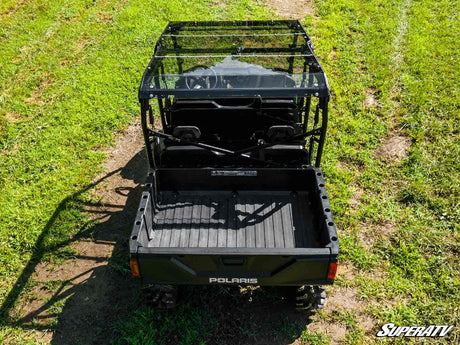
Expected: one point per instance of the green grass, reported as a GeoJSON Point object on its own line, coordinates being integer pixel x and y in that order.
{"type": "Point", "coordinates": [68, 81]}
{"type": "Point", "coordinates": [411, 69]}
{"type": "Point", "coordinates": [149, 326]}
{"type": "Point", "coordinates": [314, 338]}
{"type": "Point", "coordinates": [69, 77]}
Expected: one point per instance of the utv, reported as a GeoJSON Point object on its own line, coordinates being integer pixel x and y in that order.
{"type": "Point", "coordinates": [234, 192]}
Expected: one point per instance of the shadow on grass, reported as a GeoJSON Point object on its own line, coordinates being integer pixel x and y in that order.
{"type": "Point", "coordinates": [42, 248]}
{"type": "Point", "coordinates": [53, 243]}
{"type": "Point", "coordinates": [102, 304]}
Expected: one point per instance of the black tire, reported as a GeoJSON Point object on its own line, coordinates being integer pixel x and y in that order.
{"type": "Point", "coordinates": [160, 296]}
{"type": "Point", "coordinates": [310, 298]}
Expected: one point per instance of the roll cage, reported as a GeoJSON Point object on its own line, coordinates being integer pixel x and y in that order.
{"type": "Point", "coordinates": [254, 77]}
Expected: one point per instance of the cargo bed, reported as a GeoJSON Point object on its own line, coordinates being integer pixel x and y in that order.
{"type": "Point", "coordinates": [248, 219]}
{"type": "Point", "coordinates": [283, 236]}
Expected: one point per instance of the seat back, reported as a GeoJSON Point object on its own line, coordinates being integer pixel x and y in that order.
{"type": "Point", "coordinates": [276, 133]}
{"type": "Point", "coordinates": [233, 120]}
{"type": "Point", "coordinates": [187, 155]}
{"type": "Point", "coordinates": [187, 132]}
{"type": "Point", "coordinates": [287, 154]}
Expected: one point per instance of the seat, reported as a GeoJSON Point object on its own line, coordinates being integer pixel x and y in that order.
{"type": "Point", "coordinates": [187, 132]}
{"type": "Point", "coordinates": [235, 119]}
{"type": "Point", "coordinates": [280, 112]}
{"type": "Point", "coordinates": [280, 132]}
{"type": "Point", "coordinates": [187, 155]}
{"type": "Point", "coordinates": [287, 154]}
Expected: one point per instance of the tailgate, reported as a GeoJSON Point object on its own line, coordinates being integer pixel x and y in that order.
{"type": "Point", "coordinates": [221, 266]}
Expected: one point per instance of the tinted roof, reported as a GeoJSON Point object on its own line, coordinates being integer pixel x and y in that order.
{"type": "Point", "coordinates": [233, 59]}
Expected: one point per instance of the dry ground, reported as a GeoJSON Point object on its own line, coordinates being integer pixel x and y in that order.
{"type": "Point", "coordinates": [87, 289]}
{"type": "Point", "coordinates": [292, 9]}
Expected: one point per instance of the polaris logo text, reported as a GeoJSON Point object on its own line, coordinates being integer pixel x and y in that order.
{"type": "Point", "coordinates": [233, 280]}
{"type": "Point", "coordinates": [391, 330]}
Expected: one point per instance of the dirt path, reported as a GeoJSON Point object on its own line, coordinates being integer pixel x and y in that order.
{"type": "Point", "coordinates": [80, 297]}
{"type": "Point", "coordinates": [293, 9]}
{"type": "Point", "coordinates": [396, 146]}
{"type": "Point", "coordinates": [98, 289]}
{"type": "Point", "coordinates": [79, 300]}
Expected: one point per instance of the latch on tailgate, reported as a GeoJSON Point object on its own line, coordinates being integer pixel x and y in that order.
{"type": "Point", "coordinates": [233, 261]}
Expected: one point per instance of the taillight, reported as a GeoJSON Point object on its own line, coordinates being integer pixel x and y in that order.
{"type": "Point", "coordinates": [332, 270]}
{"type": "Point", "coordinates": [134, 268]}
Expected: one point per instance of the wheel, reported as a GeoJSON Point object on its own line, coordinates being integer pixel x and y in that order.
{"type": "Point", "coordinates": [161, 296]}
{"type": "Point", "coordinates": [310, 297]}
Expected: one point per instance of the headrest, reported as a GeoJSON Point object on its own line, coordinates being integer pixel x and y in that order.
{"type": "Point", "coordinates": [276, 133]}
{"type": "Point", "coordinates": [187, 132]}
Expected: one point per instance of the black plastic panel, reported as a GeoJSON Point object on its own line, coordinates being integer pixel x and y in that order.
{"type": "Point", "coordinates": [266, 269]}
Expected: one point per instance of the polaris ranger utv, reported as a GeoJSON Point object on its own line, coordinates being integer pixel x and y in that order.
{"type": "Point", "coordinates": [234, 193]}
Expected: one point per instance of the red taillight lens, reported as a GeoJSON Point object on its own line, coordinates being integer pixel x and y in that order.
{"type": "Point", "coordinates": [332, 270]}
{"type": "Point", "coordinates": [134, 268]}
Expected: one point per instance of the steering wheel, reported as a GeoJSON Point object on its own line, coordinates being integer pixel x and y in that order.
{"type": "Point", "coordinates": [201, 81]}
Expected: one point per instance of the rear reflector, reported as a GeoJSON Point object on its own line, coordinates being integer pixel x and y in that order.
{"type": "Point", "coordinates": [134, 268]}
{"type": "Point", "coordinates": [332, 270]}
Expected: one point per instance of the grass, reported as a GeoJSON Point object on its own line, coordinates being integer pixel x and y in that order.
{"type": "Point", "coordinates": [68, 80]}
{"type": "Point", "coordinates": [69, 77]}
{"type": "Point", "coordinates": [396, 51]}
{"type": "Point", "coordinates": [147, 325]}
{"type": "Point", "coordinates": [314, 338]}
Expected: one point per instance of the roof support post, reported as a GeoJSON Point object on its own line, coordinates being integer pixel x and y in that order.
{"type": "Point", "coordinates": [144, 111]}
{"type": "Point", "coordinates": [323, 105]}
